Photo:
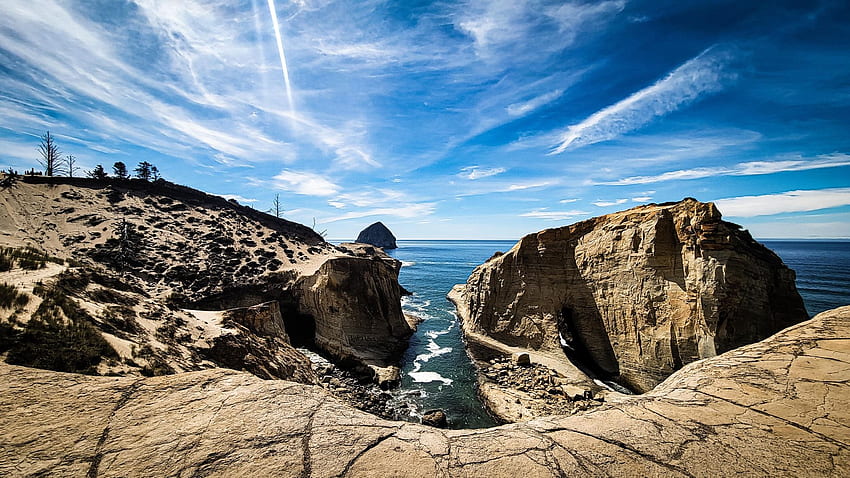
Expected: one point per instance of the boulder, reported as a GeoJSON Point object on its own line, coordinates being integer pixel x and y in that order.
{"type": "Point", "coordinates": [520, 358]}
{"type": "Point", "coordinates": [435, 418]}
{"type": "Point", "coordinates": [378, 235]}
{"type": "Point", "coordinates": [633, 295]}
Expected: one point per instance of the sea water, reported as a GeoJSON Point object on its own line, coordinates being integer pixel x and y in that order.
{"type": "Point", "coordinates": [437, 373]}
{"type": "Point", "coordinates": [436, 370]}
{"type": "Point", "coordinates": [823, 271]}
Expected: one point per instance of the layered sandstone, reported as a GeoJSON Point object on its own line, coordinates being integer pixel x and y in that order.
{"type": "Point", "coordinates": [635, 295]}
{"type": "Point", "coordinates": [179, 280]}
{"type": "Point", "coordinates": [780, 407]}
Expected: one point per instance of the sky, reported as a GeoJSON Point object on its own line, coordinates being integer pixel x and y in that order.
{"type": "Point", "coordinates": [479, 119]}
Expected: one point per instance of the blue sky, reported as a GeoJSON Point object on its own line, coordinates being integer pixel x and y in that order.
{"type": "Point", "coordinates": [483, 119]}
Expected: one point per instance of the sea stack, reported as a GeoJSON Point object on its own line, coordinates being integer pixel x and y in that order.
{"type": "Point", "coordinates": [634, 295]}
{"type": "Point", "coordinates": [377, 235]}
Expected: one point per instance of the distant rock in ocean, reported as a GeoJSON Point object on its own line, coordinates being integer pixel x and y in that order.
{"type": "Point", "coordinates": [377, 235]}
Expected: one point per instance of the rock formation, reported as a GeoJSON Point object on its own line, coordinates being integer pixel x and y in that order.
{"type": "Point", "coordinates": [377, 235]}
{"type": "Point", "coordinates": [178, 280]}
{"type": "Point", "coordinates": [780, 407]}
{"type": "Point", "coordinates": [635, 294]}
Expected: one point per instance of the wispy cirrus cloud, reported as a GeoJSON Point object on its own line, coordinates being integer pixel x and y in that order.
{"type": "Point", "coordinates": [522, 109]}
{"type": "Point", "coordinates": [545, 213]}
{"type": "Point", "coordinates": [608, 203]}
{"type": "Point", "coordinates": [501, 26]}
{"type": "Point", "coordinates": [750, 168]}
{"type": "Point", "coordinates": [409, 210]}
{"type": "Point", "coordinates": [477, 172]}
{"type": "Point", "coordinates": [704, 74]}
{"type": "Point", "coordinates": [786, 202]}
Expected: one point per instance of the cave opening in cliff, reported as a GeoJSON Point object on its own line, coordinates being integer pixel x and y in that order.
{"type": "Point", "coordinates": [586, 344]}
{"type": "Point", "coordinates": [301, 328]}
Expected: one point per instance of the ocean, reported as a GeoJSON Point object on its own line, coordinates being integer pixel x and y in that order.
{"type": "Point", "coordinates": [438, 374]}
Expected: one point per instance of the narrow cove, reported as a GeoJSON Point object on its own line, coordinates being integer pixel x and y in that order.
{"type": "Point", "coordinates": [437, 372]}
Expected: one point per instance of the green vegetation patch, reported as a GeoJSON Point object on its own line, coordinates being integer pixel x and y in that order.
{"type": "Point", "coordinates": [10, 298]}
{"type": "Point", "coordinates": [59, 336]}
{"type": "Point", "coordinates": [26, 258]}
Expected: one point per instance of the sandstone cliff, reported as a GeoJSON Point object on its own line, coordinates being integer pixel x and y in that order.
{"type": "Point", "coordinates": [178, 280]}
{"type": "Point", "coordinates": [780, 407]}
{"type": "Point", "coordinates": [378, 235]}
{"type": "Point", "coordinates": [635, 294]}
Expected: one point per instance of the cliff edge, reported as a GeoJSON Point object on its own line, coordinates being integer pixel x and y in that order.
{"type": "Point", "coordinates": [632, 296]}
{"type": "Point", "coordinates": [176, 280]}
{"type": "Point", "coordinates": [780, 407]}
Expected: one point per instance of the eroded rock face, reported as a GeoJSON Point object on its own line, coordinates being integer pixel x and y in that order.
{"type": "Point", "coordinates": [377, 333]}
{"type": "Point", "coordinates": [378, 235]}
{"type": "Point", "coordinates": [177, 280]}
{"type": "Point", "coordinates": [780, 407]}
{"type": "Point", "coordinates": [636, 294]}
{"type": "Point", "coordinates": [255, 340]}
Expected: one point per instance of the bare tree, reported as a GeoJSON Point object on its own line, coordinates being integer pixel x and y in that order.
{"type": "Point", "coordinates": [323, 233]}
{"type": "Point", "coordinates": [71, 165]}
{"type": "Point", "coordinates": [51, 159]}
{"type": "Point", "coordinates": [276, 208]}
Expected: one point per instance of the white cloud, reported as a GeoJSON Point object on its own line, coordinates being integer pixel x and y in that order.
{"type": "Point", "coordinates": [642, 199]}
{"type": "Point", "coordinates": [544, 213]}
{"type": "Point", "coordinates": [475, 172]}
{"type": "Point", "coordinates": [238, 198]}
{"type": "Point", "coordinates": [373, 197]}
{"type": "Point", "coordinates": [607, 203]}
{"type": "Point", "coordinates": [751, 168]}
{"type": "Point", "coordinates": [530, 185]}
{"type": "Point", "coordinates": [567, 201]}
{"type": "Point", "coordinates": [300, 182]}
{"type": "Point", "coordinates": [699, 76]}
{"type": "Point", "coordinates": [522, 109]}
{"type": "Point", "coordinates": [791, 201]}
{"type": "Point", "coordinates": [412, 210]}
{"type": "Point", "coordinates": [336, 204]}
{"type": "Point", "coordinates": [500, 26]}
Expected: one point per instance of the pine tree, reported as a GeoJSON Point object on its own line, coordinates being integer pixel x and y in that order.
{"type": "Point", "coordinates": [97, 173]}
{"type": "Point", "coordinates": [120, 170]}
{"type": "Point", "coordinates": [143, 170]}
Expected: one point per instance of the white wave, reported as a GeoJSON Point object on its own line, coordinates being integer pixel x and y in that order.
{"type": "Point", "coordinates": [434, 350]}
{"type": "Point", "coordinates": [428, 377]}
{"type": "Point", "coordinates": [407, 263]}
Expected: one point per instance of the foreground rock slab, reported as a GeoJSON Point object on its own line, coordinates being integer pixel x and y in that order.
{"type": "Point", "coordinates": [780, 407]}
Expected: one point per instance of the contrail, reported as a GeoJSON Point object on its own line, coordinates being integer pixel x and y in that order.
{"type": "Point", "coordinates": [282, 55]}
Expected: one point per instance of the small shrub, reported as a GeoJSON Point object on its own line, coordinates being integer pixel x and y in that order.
{"type": "Point", "coordinates": [156, 364]}
{"type": "Point", "coordinates": [11, 298]}
{"type": "Point", "coordinates": [6, 262]}
{"type": "Point", "coordinates": [30, 264]}
{"type": "Point", "coordinates": [64, 344]}
{"type": "Point", "coordinates": [27, 257]}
